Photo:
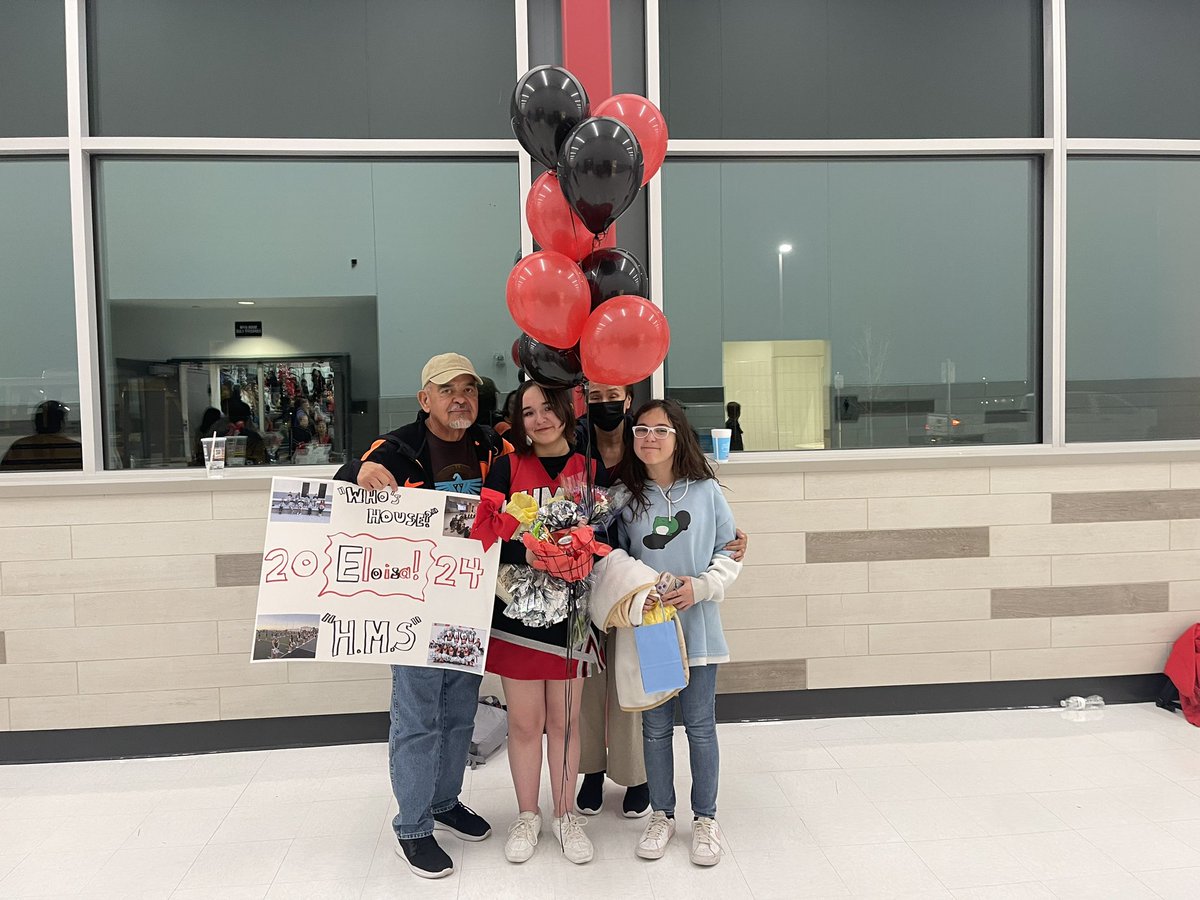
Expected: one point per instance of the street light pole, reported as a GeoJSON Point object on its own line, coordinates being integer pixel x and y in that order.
{"type": "Point", "coordinates": [783, 248]}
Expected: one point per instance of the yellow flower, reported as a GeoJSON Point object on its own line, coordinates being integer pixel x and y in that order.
{"type": "Point", "coordinates": [523, 508]}
{"type": "Point", "coordinates": [658, 613]}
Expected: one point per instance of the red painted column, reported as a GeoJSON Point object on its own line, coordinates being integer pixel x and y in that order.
{"type": "Point", "coordinates": [587, 45]}
{"type": "Point", "coordinates": [587, 54]}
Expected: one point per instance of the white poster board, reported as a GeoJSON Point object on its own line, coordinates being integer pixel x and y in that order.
{"type": "Point", "coordinates": [356, 575]}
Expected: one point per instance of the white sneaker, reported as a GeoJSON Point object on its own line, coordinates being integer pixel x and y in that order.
{"type": "Point", "coordinates": [659, 830]}
{"type": "Point", "coordinates": [577, 847]}
{"type": "Point", "coordinates": [522, 837]}
{"type": "Point", "coordinates": [706, 842]}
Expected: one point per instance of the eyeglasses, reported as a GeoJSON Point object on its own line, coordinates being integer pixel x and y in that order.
{"type": "Point", "coordinates": [659, 431]}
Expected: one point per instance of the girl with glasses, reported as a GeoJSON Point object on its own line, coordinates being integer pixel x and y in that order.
{"type": "Point", "coordinates": [679, 523]}
{"type": "Point", "coordinates": [610, 737]}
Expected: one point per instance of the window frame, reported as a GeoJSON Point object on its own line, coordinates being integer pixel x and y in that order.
{"type": "Point", "coordinates": [1054, 148]}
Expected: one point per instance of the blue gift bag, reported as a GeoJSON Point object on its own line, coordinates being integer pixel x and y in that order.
{"type": "Point", "coordinates": [660, 657]}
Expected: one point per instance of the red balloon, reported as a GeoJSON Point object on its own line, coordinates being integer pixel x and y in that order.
{"type": "Point", "coordinates": [515, 357]}
{"type": "Point", "coordinates": [625, 340]}
{"type": "Point", "coordinates": [646, 122]}
{"type": "Point", "coordinates": [555, 226]}
{"type": "Point", "coordinates": [549, 298]}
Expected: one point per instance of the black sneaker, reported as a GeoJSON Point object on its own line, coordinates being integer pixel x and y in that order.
{"type": "Point", "coordinates": [637, 801]}
{"type": "Point", "coordinates": [463, 823]}
{"type": "Point", "coordinates": [591, 794]}
{"type": "Point", "coordinates": [425, 857]}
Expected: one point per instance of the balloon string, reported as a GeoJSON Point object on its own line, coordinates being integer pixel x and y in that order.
{"type": "Point", "coordinates": [572, 612]}
{"type": "Point", "coordinates": [568, 697]}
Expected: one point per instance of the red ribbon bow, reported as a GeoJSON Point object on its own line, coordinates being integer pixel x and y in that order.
{"type": "Point", "coordinates": [492, 523]}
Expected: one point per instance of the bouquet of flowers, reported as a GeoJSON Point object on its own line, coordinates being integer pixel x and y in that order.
{"type": "Point", "coordinates": [562, 541]}
{"type": "Point", "coordinates": [561, 536]}
{"type": "Point", "coordinates": [598, 506]}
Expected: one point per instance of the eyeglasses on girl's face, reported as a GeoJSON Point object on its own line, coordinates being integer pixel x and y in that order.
{"type": "Point", "coordinates": [661, 432]}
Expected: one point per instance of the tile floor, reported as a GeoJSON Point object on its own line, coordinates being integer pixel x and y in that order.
{"type": "Point", "coordinates": [1013, 804]}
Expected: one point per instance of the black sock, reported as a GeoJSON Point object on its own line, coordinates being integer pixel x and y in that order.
{"type": "Point", "coordinates": [591, 792]}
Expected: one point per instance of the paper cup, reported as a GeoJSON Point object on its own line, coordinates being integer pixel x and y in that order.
{"type": "Point", "coordinates": [720, 441]}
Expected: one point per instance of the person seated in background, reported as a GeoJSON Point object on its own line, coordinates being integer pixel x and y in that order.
{"type": "Point", "coordinates": [272, 444]}
{"type": "Point", "coordinates": [256, 449]}
{"type": "Point", "coordinates": [506, 414]}
{"type": "Point", "coordinates": [489, 397]}
{"type": "Point", "coordinates": [237, 409]}
{"type": "Point", "coordinates": [303, 408]}
{"type": "Point", "coordinates": [208, 428]}
{"type": "Point", "coordinates": [301, 434]}
{"type": "Point", "coordinates": [322, 435]}
{"type": "Point", "coordinates": [47, 448]}
{"type": "Point", "coordinates": [214, 424]}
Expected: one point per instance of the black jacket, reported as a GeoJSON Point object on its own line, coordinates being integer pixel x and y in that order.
{"type": "Point", "coordinates": [405, 453]}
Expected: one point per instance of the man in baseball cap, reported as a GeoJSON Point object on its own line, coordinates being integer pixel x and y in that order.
{"type": "Point", "coordinates": [445, 367]}
{"type": "Point", "coordinates": [442, 450]}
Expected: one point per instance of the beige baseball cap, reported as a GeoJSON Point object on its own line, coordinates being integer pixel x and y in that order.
{"type": "Point", "coordinates": [445, 367]}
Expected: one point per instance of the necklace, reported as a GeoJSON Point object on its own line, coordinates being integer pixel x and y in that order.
{"type": "Point", "coordinates": [671, 501]}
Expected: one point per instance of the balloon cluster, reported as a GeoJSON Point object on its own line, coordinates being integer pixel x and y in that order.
{"type": "Point", "coordinates": [583, 308]}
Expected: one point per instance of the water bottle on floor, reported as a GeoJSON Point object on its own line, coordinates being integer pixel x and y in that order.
{"type": "Point", "coordinates": [1095, 701]}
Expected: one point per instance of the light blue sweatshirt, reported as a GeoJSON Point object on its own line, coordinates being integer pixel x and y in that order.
{"type": "Point", "coordinates": [685, 536]}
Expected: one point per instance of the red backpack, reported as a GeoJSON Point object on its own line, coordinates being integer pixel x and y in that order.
{"type": "Point", "coordinates": [1183, 668]}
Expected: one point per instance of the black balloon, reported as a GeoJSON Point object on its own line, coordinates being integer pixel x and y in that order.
{"type": "Point", "coordinates": [611, 272]}
{"type": "Point", "coordinates": [600, 171]}
{"type": "Point", "coordinates": [546, 104]}
{"type": "Point", "coordinates": [548, 366]}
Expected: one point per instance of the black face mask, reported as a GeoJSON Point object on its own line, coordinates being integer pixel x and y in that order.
{"type": "Point", "coordinates": [607, 416]}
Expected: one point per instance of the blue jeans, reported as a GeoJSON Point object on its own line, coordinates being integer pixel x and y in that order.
{"type": "Point", "coordinates": [433, 717]}
{"type": "Point", "coordinates": [698, 701]}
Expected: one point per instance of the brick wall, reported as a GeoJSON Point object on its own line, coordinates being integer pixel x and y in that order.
{"type": "Point", "coordinates": [137, 608]}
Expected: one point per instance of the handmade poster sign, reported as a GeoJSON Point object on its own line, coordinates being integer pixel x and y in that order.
{"type": "Point", "coordinates": [357, 575]}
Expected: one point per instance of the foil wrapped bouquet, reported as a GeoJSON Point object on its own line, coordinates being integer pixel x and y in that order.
{"type": "Point", "coordinates": [561, 535]}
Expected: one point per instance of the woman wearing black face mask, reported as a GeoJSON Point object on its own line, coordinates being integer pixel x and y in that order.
{"type": "Point", "coordinates": [608, 407]}
{"type": "Point", "coordinates": [611, 739]}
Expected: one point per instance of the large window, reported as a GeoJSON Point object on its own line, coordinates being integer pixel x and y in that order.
{"type": "Point", "coordinates": [857, 300]}
{"type": "Point", "coordinates": [1133, 69]}
{"type": "Point", "coordinates": [1133, 299]}
{"type": "Point", "coordinates": [297, 298]}
{"type": "Point", "coordinates": [812, 69]}
{"type": "Point", "coordinates": [39, 371]}
{"type": "Point", "coordinates": [855, 303]}
{"type": "Point", "coordinates": [882, 223]}
{"type": "Point", "coordinates": [33, 87]}
{"type": "Point", "coordinates": [1132, 221]}
{"type": "Point", "coordinates": [322, 68]}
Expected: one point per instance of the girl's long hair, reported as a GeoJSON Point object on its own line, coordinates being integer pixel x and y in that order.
{"type": "Point", "coordinates": [688, 462]}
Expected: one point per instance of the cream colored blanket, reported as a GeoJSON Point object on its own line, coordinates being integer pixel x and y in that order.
{"type": "Point", "coordinates": [619, 590]}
